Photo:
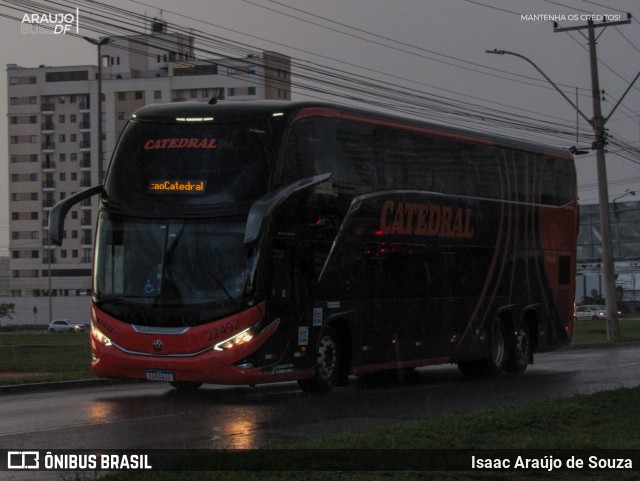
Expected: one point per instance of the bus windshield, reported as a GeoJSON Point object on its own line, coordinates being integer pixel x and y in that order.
{"type": "Point", "coordinates": [170, 166]}
{"type": "Point", "coordinates": [173, 263]}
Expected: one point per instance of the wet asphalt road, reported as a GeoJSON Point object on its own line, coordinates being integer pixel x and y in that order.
{"type": "Point", "coordinates": [152, 415]}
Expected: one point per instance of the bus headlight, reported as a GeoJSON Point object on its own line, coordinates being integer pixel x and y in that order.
{"type": "Point", "coordinates": [98, 336]}
{"type": "Point", "coordinates": [240, 338]}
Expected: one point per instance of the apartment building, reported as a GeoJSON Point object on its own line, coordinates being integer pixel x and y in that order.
{"type": "Point", "coordinates": [53, 138]}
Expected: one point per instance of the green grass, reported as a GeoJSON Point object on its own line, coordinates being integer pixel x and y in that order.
{"type": "Point", "coordinates": [606, 420]}
{"type": "Point", "coordinates": [595, 332]}
{"type": "Point", "coordinates": [27, 357]}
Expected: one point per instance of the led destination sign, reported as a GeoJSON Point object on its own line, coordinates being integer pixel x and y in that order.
{"type": "Point", "coordinates": [172, 186]}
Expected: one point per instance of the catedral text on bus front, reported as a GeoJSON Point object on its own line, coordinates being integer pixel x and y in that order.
{"type": "Point", "coordinates": [254, 242]}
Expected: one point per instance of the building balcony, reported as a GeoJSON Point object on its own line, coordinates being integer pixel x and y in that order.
{"type": "Point", "coordinates": [85, 144]}
{"type": "Point", "coordinates": [48, 127]}
{"type": "Point", "coordinates": [48, 146]}
{"type": "Point", "coordinates": [48, 185]}
{"type": "Point", "coordinates": [49, 107]}
{"type": "Point", "coordinates": [86, 125]}
{"type": "Point", "coordinates": [48, 166]}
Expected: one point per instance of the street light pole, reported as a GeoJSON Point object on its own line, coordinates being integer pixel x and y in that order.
{"type": "Point", "coordinates": [99, 44]}
{"type": "Point", "coordinates": [603, 192]}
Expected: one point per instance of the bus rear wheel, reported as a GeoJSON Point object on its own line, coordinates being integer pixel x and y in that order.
{"type": "Point", "coordinates": [328, 362]}
{"type": "Point", "coordinates": [498, 355]}
{"type": "Point", "coordinates": [520, 353]}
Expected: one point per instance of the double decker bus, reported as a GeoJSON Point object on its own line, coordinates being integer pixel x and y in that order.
{"type": "Point", "coordinates": [256, 242]}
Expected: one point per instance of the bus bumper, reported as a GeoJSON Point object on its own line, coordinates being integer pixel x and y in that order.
{"type": "Point", "coordinates": [127, 353]}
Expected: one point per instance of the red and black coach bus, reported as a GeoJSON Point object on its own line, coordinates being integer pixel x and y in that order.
{"type": "Point", "coordinates": [253, 242]}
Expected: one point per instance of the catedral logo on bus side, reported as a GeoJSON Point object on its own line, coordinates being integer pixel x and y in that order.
{"type": "Point", "coordinates": [180, 143]}
{"type": "Point", "coordinates": [433, 220]}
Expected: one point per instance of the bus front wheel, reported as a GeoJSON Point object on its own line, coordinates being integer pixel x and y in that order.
{"type": "Point", "coordinates": [327, 362]}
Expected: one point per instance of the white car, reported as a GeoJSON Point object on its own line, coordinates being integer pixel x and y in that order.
{"type": "Point", "coordinates": [64, 325]}
{"type": "Point", "coordinates": [590, 312]}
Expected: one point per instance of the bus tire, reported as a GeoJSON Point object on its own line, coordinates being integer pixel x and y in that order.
{"type": "Point", "coordinates": [185, 386]}
{"type": "Point", "coordinates": [498, 355]}
{"type": "Point", "coordinates": [498, 347]}
{"type": "Point", "coordinates": [327, 365]}
{"type": "Point", "coordinates": [519, 353]}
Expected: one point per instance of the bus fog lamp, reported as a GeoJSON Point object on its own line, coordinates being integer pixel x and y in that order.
{"type": "Point", "coordinates": [240, 338]}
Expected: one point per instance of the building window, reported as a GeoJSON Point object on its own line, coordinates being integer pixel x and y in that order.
{"type": "Point", "coordinates": [157, 94]}
{"type": "Point", "coordinates": [13, 80]}
{"type": "Point", "coordinates": [232, 91]}
{"type": "Point", "coordinates": [252, 90]}
{"type": "Point", "coordinates": [122, 95]}
{"type": "Point", "coordinates": [139, 95]}
{"type": "Point", "coordinates": [33, 79]}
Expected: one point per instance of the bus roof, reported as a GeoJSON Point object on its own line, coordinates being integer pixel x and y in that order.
{"type": "Point", "coordinates": [229, 111]}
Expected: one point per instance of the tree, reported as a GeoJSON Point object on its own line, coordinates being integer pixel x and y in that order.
{"type": "Point", "coordinates": [6, 310]}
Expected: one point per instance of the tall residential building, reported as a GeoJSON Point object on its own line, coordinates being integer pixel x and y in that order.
{"type": "Point", "coordinates": [53, 138]}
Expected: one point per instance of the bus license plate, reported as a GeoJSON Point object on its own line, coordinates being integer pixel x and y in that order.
{"type": "Point", "coordinates": [154, 375]}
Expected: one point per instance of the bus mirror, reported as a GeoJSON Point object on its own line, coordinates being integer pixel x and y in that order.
{"type": "Point", "coordinates": [264, 206]}
{"type": "Point", "coordinates": [59, 212]}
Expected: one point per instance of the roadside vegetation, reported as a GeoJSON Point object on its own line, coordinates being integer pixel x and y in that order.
{"type": "Point", "coordinates": [37, 356]}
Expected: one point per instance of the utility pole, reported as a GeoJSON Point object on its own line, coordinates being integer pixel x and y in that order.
{"type": "Point", "coordinates": [598, 123]}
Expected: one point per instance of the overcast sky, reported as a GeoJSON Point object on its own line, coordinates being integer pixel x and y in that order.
{"type": "Point", "coordinates": [435, 48]}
